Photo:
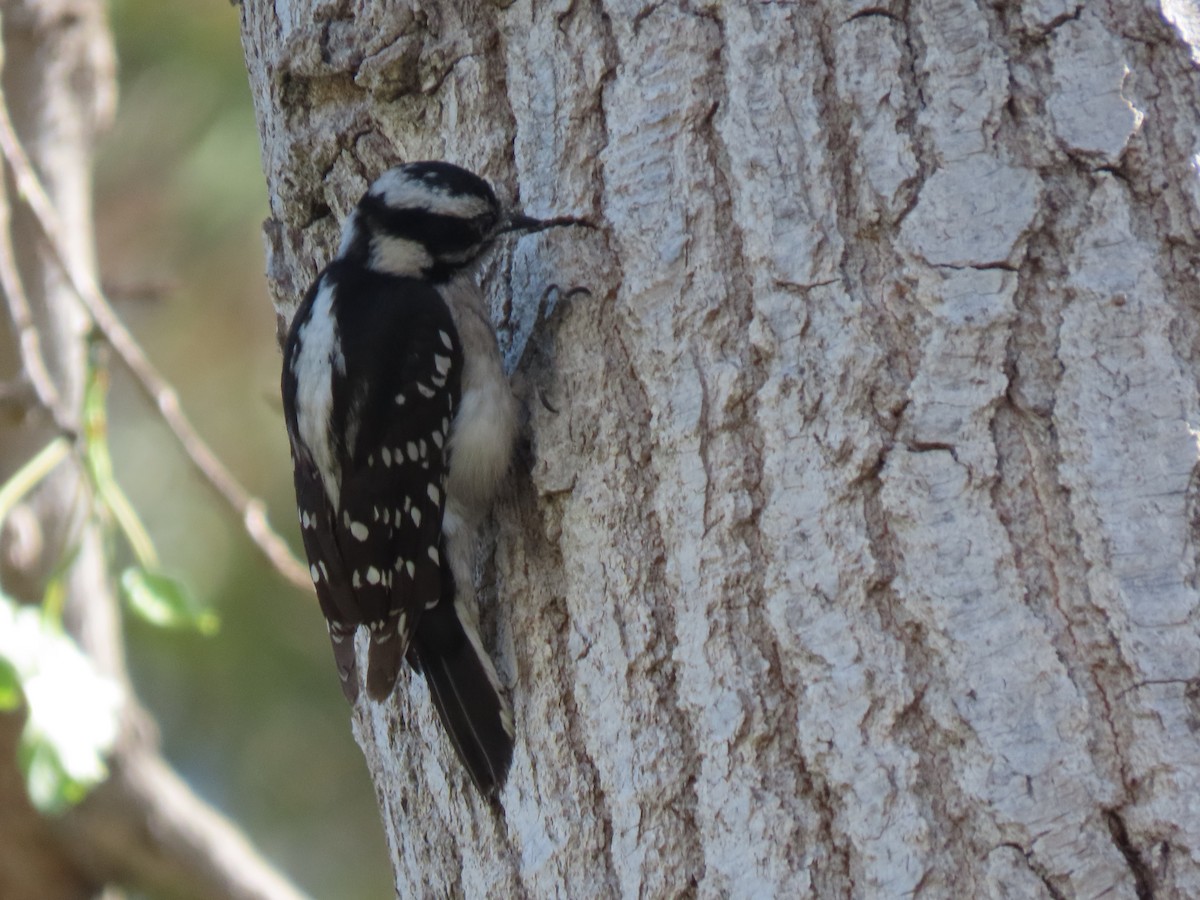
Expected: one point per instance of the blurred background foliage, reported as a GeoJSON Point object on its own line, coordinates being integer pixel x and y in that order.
{"type": "Point", "coordinates": [252, 717]}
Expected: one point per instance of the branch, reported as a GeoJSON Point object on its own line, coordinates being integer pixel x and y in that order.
{"type": "Point", "coordinates": [146, 827]}
{"type": "Point", "coordinates": [250, 509]}
{"type": "Point", "coordinates": [33, 364]}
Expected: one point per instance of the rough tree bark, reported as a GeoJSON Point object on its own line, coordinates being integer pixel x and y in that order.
{"type": "Point", "coordinates": [854, 554]}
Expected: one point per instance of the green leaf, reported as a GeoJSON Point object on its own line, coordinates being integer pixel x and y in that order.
{"type": "Point", "coordinates": [51, 788]}
{"type": "Point", "coordinates": [71, 710]}
{"type": "Point", "coordinates": [10, 686]}
{"type": "Point", "coordinates": [165, 601]}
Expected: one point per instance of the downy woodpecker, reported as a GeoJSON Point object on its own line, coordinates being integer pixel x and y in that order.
{"type": "Point", "coordinates": [402, 425]}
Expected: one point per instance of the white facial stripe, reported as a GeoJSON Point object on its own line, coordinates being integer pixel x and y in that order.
{"type": "Point", "coordinates": [319, 343]}
{"type": "Point", "coordinates": [400, 191]}
{"type": "Point", "coordinates": [398, 256]}
{"type": "Point", "coordinates": [463, 256]}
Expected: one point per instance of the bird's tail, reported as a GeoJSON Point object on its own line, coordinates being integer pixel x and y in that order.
{"type": "Point", "coordinates": [465, 690]}
{"type": "Point", "coordinates": [341, 637]}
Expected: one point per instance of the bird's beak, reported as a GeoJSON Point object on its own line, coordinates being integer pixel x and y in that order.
{"type": "Point", "coordinates": [518, 221]}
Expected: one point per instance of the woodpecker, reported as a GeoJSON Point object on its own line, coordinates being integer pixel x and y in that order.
{"type": "Point", "coordinates": [402, 425]}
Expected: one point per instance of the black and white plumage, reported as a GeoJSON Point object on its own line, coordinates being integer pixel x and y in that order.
{"type": "Point", "coordinates": [402, 425]}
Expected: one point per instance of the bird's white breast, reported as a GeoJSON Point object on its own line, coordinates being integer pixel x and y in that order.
{"type": "Point", "coordinates": [318, 353]}
{"type": "Point", "coordinates": [485, 423]}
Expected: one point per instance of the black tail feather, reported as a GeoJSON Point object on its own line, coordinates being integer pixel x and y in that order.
{"type": "Point", "coordinates": [384, 656]}
{"type": "Point", "coordinates": [343, 655]}
{"type": "Point", "coordinates": [463, 687]}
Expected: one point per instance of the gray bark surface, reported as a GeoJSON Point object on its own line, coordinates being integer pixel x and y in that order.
{"type": "Point", "coordinates": [854, 554]}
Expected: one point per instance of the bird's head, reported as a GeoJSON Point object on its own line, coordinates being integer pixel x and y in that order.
{"type": "Point", "coordinates": [430, 220]}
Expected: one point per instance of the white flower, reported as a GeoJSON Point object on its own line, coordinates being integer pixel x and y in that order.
{"type": "Point", "coordinates": [72, 707]}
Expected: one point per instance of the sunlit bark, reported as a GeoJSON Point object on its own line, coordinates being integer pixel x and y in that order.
{"type": "Point", "coordinates": [854, 551]}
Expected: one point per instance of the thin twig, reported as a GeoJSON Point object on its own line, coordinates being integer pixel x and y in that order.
{"type": "Point", "coordinates": [250, 509]}
{"type": "Point", "coordinates": [192, 851]}
{"type": "Point", "coordinates": [27, 477]}
{"type": "Point", "coordinates": [33, 364]}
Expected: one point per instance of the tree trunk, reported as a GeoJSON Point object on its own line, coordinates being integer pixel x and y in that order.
{"type": "Point", "coordinates": [142, 826]}
{"type": "Point", "coordinates": [58, 84]}
{"type": "Point", "coordinates": [854, 552]}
